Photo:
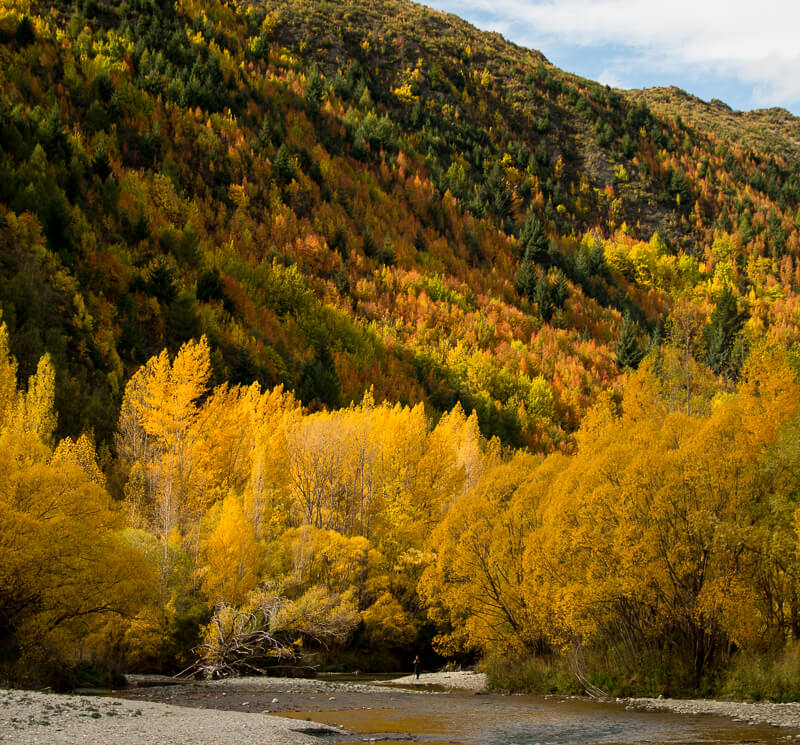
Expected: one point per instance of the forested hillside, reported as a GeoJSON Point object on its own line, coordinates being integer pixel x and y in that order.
{"type": "Point", "coordinates": [350, 322]}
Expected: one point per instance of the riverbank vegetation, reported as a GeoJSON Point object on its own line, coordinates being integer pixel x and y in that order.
{"type": "Point", "coordinates": [661, 556]}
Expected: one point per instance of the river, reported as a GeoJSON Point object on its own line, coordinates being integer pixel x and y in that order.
{"type": "Point", "coordinates": [467, 719]}
{"type": "Point", "coordinates": [388, 715]}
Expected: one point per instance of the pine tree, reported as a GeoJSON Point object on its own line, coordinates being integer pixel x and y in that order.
{"type": "Point", "coordinates": [386, 255]}
{"type": "Point", "coordinates": [655, 349]}
{"type": "Point", "coordinates": [101, 162]}
{"type": "Point", "coordinates": [283, 165]}
{"type": "Point", "coordinates": [561, 289]}
{"type": "Point", "coordinates": [25, 33]}
{"type": "Point", "coordinates": [497, 193]}
{"type": "Point", "coordinates": [368, 245]}
{"type": "Point", "coordinates": [419, 240]}
{"type": "Point", "coordinates": [525, 281]}
{"type": "Point", "coordinates": [541, 296]}
{"type": "Point", "coordinates": [161, 281]}
{"type": "Point", "coordinates": [315, 91]}
{"type": "Point", "coordinates": [722, 336]}
{"type": "Point", "coordinates": [629, 352]}
{"type": "Point", "coordinates": [209, 286]}
{"type": "Point", "coordinates": [533, 240]}
{"type": "Point", "coordinates": [535, 247]}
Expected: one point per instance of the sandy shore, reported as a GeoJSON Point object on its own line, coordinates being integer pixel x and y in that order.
{"type": "Point", "coordinates": [31, 718]}
{"type": "Point", "coordinates": [762, 712]}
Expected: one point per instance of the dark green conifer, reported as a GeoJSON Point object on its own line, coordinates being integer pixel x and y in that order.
{"type": "Point", "coordinates": [629, 351]}
{"type": "Point", "coordinates": [210, 287]}
{"type": "Point", "coordinates": [722, 336]}
{"type": "Point", "coordinates": [25, 33]}
{"type": "Point", "coordinates": [419, 240]}
{"type": "Point", "coordinates": [543, 299]}
{"type": "Point", "coordinates": [560, 289]}
{"type": "Point", "coordinates": [161, 282]}
{"type": "Point", "coordinates": [101, 162]}
{"type": "Point", "coordinates": [525, 281]}
{"type": "Point", "coordinates": [284, 165]}
{"type": "Point", "coordinates": [368, 245]}
{"type": "Point", "coordinates": [533, 240]}
{"type": "Point", "coordinates": [386, 254]}
{"type": "Point", "coordinates": [315, 91]}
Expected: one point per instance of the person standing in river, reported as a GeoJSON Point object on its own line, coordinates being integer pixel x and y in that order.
{"type": "Point", "coordinates": [416, 666]}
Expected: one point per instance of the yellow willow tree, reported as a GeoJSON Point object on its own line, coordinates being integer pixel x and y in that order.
{"type": "Point", "coordinates": [266, 493]}
{"type": "Point", "coordinates": [348, 467]}
{"type": "Point", "coordinates": [646, 529]}
{"type": "Point", "coordinates": [475, 586]}
{"type": "Point", "coordinates": [231, 554]}
{"type": "Point", "coordinates": [159, 436]}
{"type": "Point", "coordinates": [769, 570]}
{"type": "Point", "coordinates": [64, 565]}
{"type": "Point", "coordinates": [379, 471]}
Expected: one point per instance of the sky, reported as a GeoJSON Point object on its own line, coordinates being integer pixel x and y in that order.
{"type": "Point", "coordinates": [744, 53]}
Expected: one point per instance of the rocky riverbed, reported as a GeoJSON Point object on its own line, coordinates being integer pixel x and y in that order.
{"type": "Point", "coordinates": [760, 712]}
{"type": "Point", "coordinates": [32, 718]}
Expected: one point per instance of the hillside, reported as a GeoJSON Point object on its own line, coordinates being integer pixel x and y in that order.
{"type": "Point", "coordinates": [335, 197]}
{"type": "Point", "coordinates": [768, 130]}
{"type": "Point", "coordinates": [354, 326]}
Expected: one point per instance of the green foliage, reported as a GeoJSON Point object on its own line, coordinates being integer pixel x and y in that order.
{"type": "Point", "coordinates": [284, 165]}
{"type": "Point", "coordinates": [629, 352]}
{"type": "Point", "coordinates": [533, 240]}
{"type": "Point", "coordinates": [209, 286]}
{"type": "Point", "coordinates": [768, 677]}
{"type": "Point", "coordinates": [315, 90]}
{"type": "Point", "coordinates": [537, 675]}
{"type": "Point", "coordinates": [542, 297]}
{"type": "Point", "coordinates": [25, 33]}
{"type": "Point", "coordinates": [319, 382]}
{"type": "Point", "coordinates": [162, 280]}
{"type": "Point", "coordinates": [722, 336]}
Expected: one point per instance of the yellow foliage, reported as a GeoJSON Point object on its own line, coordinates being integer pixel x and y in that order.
{"type": "Point", "coordinates": [474, 583]}
{"type": "Point", "coordinates": [64, 566]}
{"type": "Point", "coordinates": [662, 524]}
{"type": "Point", "coordinates": [232, 556]}
{"type": "Point", "coordinates": [387, 624]}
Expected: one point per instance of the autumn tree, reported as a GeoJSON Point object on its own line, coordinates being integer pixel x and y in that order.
{"type": "Point", "coordinates": [158, 432]}
{"type": "Point", "coordinates": [65, 565]}
{"type": "Point", "coordinates": [475, 586]}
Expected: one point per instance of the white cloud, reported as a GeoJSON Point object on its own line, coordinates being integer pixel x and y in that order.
{"type": "Point", "coordinates": [754, 42]}
{"type": "Point", "coordinates": [611, 76]}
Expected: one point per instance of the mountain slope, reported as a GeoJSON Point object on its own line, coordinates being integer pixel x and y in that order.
{"type": "Point", "coordinates": [349, 195]}
{"type": "Point", "coordinates": [772, 130]}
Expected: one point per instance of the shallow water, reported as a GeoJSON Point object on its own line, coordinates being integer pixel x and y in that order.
{"type": "Point", "coordinates": [467, 719]}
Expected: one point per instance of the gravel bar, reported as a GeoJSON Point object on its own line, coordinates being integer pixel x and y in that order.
{"type": "Point", "coordinates": [32, 718]}
{"type": "Point", "coordinates": [762, 712]}
{"type": "Point", "coordinates": [461, 680]}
